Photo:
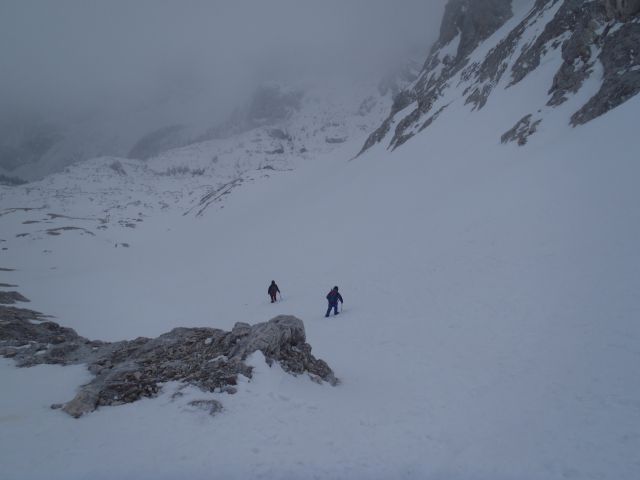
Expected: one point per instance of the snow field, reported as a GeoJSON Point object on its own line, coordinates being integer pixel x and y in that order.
{"type": "Point", "coordinates": [490, 325]}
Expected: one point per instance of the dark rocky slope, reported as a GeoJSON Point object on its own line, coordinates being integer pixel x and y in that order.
{"type": "Point", "coordinates": [584, 32]}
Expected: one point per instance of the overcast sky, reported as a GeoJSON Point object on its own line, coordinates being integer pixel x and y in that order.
{"type": "Point", "coordinates": [74, 53]}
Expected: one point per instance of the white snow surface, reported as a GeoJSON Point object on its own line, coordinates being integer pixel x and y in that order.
{"type": "Point", "coordinates": [490, 326]}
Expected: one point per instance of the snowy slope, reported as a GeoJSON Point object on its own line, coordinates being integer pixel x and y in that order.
{"type": "Point", "coordinates": [490, 320]}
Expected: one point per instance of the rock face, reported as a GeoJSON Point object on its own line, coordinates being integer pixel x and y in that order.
{"type": "Point", "coordinates": [9, 298]}
{"type": "Point", "coordinates": [586, 33]}
{"type": "Point", "coordinates": [126, 371]}
{"type": "Point", "coordinates": [622, 9]}
{"type": "Point", "coordinates": [521, 131]}
{"type": "Point", "coordinates": [620, 57]}
{"type": "Point", "coordinates": [468, 21]}
{"type": "Point", "coordinates": [474, 21]}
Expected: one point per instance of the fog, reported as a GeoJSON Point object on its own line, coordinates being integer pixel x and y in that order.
{"type": "Point", "coordinates": [139, 63]}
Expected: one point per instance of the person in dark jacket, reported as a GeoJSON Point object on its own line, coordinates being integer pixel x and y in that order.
{"type": "Point", "coordinates": [273, 290]}
{"type": "Point", "coordinates": [333, 297]}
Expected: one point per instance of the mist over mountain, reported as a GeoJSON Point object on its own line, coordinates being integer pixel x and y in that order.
{"type": "Point", "coordinates": [450, 214]}
{"type": "Point", "coordinates": [83, 79]}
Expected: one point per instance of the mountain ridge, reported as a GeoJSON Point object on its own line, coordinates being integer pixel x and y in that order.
{"type": "Point", "coordinates": [591, 38]}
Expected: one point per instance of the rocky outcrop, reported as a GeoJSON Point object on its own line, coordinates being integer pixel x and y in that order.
{"type": "Point", "coordinates": [126, 371]}
{"type": "Point", "coordinates": [522, 130]}
{"type": "Point", "coordinates": [474, 21]}
{"type": "Point", "coordinates": [620, 57]}
{"type": "Point", "coordinates": [471, 22]}
{"type": "Point", "coordinates": [621, 9]}
{"type": "Point", "coordinates": [9, 298]}
{"type": "Point", "coordinates": [584, 32]}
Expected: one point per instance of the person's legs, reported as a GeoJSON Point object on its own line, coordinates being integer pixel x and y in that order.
{"type": "Point", "coordinates": [335, 309]}
{"type": "Point", "coordinates": [328, 311]}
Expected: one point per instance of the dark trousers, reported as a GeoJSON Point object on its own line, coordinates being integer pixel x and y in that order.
{"type": "Point", "coordinates": [335, 309]}
{"type": "Point", "coordinates": [273, 297]}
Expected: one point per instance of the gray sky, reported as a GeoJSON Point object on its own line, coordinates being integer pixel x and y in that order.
{"type": "Point", "coordinates": [72, 54]}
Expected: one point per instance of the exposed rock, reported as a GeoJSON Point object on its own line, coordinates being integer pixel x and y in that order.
{"type": "Point", "coordinates": [582, 29]}
{"type": "Point", "coordinates": [126, 371]}
{"type": "Point", "coordinates": [214, 196]}
{"type": "Point", "coordinates": [400, 102]}
{"type": "Point", "coordinates": [486, 75]}
{"type": "Point", "coordinates": [621, 9]}
{"type": "Point", "coordinates": [474, 21]}
{"type": "Point", "coordinates": [580, 20]}
{"type": "Point", "coordinates": [523, 129]}
{"type": "Point", "coordinates": [620, 57]}
{"type": "Point", "coordinates": [335, 139]}
{"type": "Point", "coordinates": [577, 63]}
{"type": "Point", "coordinates": [9, 298]}
{"type": "Point", "coordinates": [210, 406]}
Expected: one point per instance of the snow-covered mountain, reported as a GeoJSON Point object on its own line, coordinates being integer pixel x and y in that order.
{"type": "Point", "coordinates": [279, 130]}
{"type": "Point", "coordinates": [484, 240]}
{"type": "Point", "coordinates": [579, 55]}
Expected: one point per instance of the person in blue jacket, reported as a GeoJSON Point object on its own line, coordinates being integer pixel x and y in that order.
{"type": "Point", "coordinates": [333, 297]}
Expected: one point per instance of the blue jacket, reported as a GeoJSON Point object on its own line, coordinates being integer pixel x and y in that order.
{"type": "Point", "coordinates": [333, 296]}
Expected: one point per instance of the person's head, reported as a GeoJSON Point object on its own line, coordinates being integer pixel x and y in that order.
{"type": "Point", "coordinates": [335, 288]}
{"type": "Point", "coordinates": [273, 281]}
